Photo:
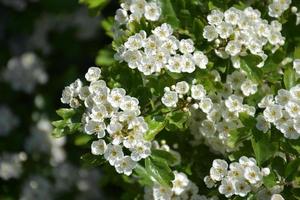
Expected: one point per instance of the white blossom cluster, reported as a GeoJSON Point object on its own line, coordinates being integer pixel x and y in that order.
{"type": "Point", "coordinates": [67, 176]}
{"type": "Point", "coordinates": [283, 111]}
{"type": "Point", "coordinates": [134, 10]}
{"type": "Point", "coordinates": [113, 117]}
{"type": "Point", "coordinates": [25, 72]}
{"type": "Point", "coordinates": [237, 32]}
{"type": "Point", "coordinates": [277, 7]}
{"type": "Point", "coordinates": [19, 5]}
{"type": "Point", "coordinates": [214, 114]}
{"type": "Point", "coordinates": [182, 189]}
{"type": "Point", "coordinates": [161, 50]}
{"type": "Point", "coordinates": [37, 187]}
{"type": "Point", "coordinates": [53, 147]}
{"type": "Point", "coordinates": [11, 165]}
{"type": "Point", "coordinates": [8, 120]}
{"type": "Point", "coordinates": [237, 178]}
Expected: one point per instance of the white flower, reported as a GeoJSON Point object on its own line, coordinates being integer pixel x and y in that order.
{"type": "Point", "coordinates": [253, 174]}
{"type": "Point", "coordinates": [215, 17]}
{"type": "Point", "coordinates": [249, 87]}
{"type": "Point", "coordinates": [233, 48]}
{"type": "Point", "coordinates": [162, 193]}
{"type": "Point", "coordinates": [93, 74]}
{"type": "Point", "coordinates": [296, 65]}
{"type": "Point", "coordinates": [277, 197]}
{"type": "Point", "coordinates": [175, 64]}
{"type": "Point", "coordinates": [125, 165]}
{"type": "Point", "coordinates": [116, 97]}
{"type": "Point", "coordinates": [226, 188]}
{"type": "Point", "coordinates": [99, 113]}
{"type": "Point", "coordinates": [218, 170]}
{"type": "Point", "coordinates": [113, 153]}
{"type": "Point", "coordinates": [209, 182]}
{"type": "Point", "coordinates": [234, 103]}
{"type": "Point", "coordinates": [152, 11]}
{"type": "Point", "coordinates": [95, 127]}
{"type": "Point", "coordinates": [170, 99]}
{"type": "Point", "coordinates": [289, 130]}
{"type": "Point", "coordinates": [188, 64]}
{"type": "Point", "coordinates": [295, 93]}
{"type": "Point", "coordinates": [232, 16]}
{"type": "Point", "coordinates": [247, 162]}
{"type": "Point", "coordinates": [283, 97]}
{"type": "Point", "coordinates": [186, 46]}
{"type": "Point", "coordinates": [67, 95]}
{"type": "Point", "coordinates": [206, 105]}
{"type": "Point", "coordinates": [163, 32]}
{"type": "Point", "coordinates": [129, 104]}
{"type": "Point", "coordinates": [98, 147]}
{"type": "Point", "coordinates": [182, 87]}
{"type": "Point", "coordinates": [224, 30]}
{"type": "Point", "coordinates": [210, 33]}
{"type": "Point", "coordinates": [273, 113]}
{"type": "Point", "coordinates": [293, 109]}
{"type": "Point", "coordinates": [200, 59]}
{"type": "Point", "coordinates": [262, 124]}
{"type": "Point", "coordinates": [141, 150]}
{"type": "Point", "coordinates": [242, 188]}
{"type": "Point", "coordinates": [121, 16]}
{"type": "Point", "coordinates": [266, 101]}
{"type": "Point", "coordinates": [198, 92]}
{"type": "Point", "coordinates": [180, 183]}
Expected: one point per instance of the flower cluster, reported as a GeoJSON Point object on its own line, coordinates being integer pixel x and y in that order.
{"type": "Point", "coordinates": [161, 50]}
{"type": "Point", "coordinates": [41, 134]}
{"type": "Point", "coordinates": [239, 178]}
{"type": "Point", "coordinates": [25, 72]}
{"type": "Point", "coordinates": [182, 188]}
{"type": "Point", "coordinates": [235, 32]}
{"type": "Point", "coordinates": [110, 111]}
{"type": "Point", "coordinates": [217, 113]}
{"type": "Point", "coordinates": [283, 111]}
{"type": "Point", "coordinates": [11, 165]}
{"type": "Point", "coordinates": [277, 7]}
{"type": "Point", "coordinates": [134, 10]}
{"type": "Point", "coordinates": [8, 120]}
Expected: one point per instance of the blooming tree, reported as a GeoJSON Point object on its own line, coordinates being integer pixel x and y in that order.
{"type": "Point", "coordinates": [194, 99]}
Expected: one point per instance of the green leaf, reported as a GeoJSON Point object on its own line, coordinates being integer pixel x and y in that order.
{"type": "Point", "coordinates": [177, 120]}
{"type": "Point", "coordinates": [143, 177]}
{"type": "Point", "coordinates": [264, 148]}
{"type": "Point", "coordinates": [297, 53]}
{"type": "Point", "coordinates": [82, 139]}
{"type": "Point", "coordinates": [249, 65]}
{"type": "Point", "coordinates": [289, 77]}
{"type": "Point", "coordinates": [155, 125]}
{"type": "Point", "coordinates": [169, 13]}
{"type": "Point", "coordinates": [66, 113]}
{"type": "Point", "coordinates": [60, 123]}
{"type": "Point", "coordinates": [292, 169]}
{"type": "Point", "coordinates": [247, 120]}
{"type": "Point", "coordinates": [90, 160]}
{"type": "Point", "coordinates": [238, 136]}
{"type": "Point", "coordinates": [159, 170]}
{"type": "Point", "coordinates": [58, 133]}
{"type": "Point", "coordinates": [169, 157]}
{"type": "Point", "coordinates": [270, 180]}
{"type": "Point", "coordinates": [94, 3]}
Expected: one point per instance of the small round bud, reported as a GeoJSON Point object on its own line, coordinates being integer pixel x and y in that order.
{"type": "Point", "coordinates": [294, 9]}
{"type": "Point", "coordinates": [189, 99]}
{"type": "Point", "coordinates": [167, 89]}
{"type": "Point", "coordinates": [195, 106]}
{"type": "Point", "coordinates": [173, 87]}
